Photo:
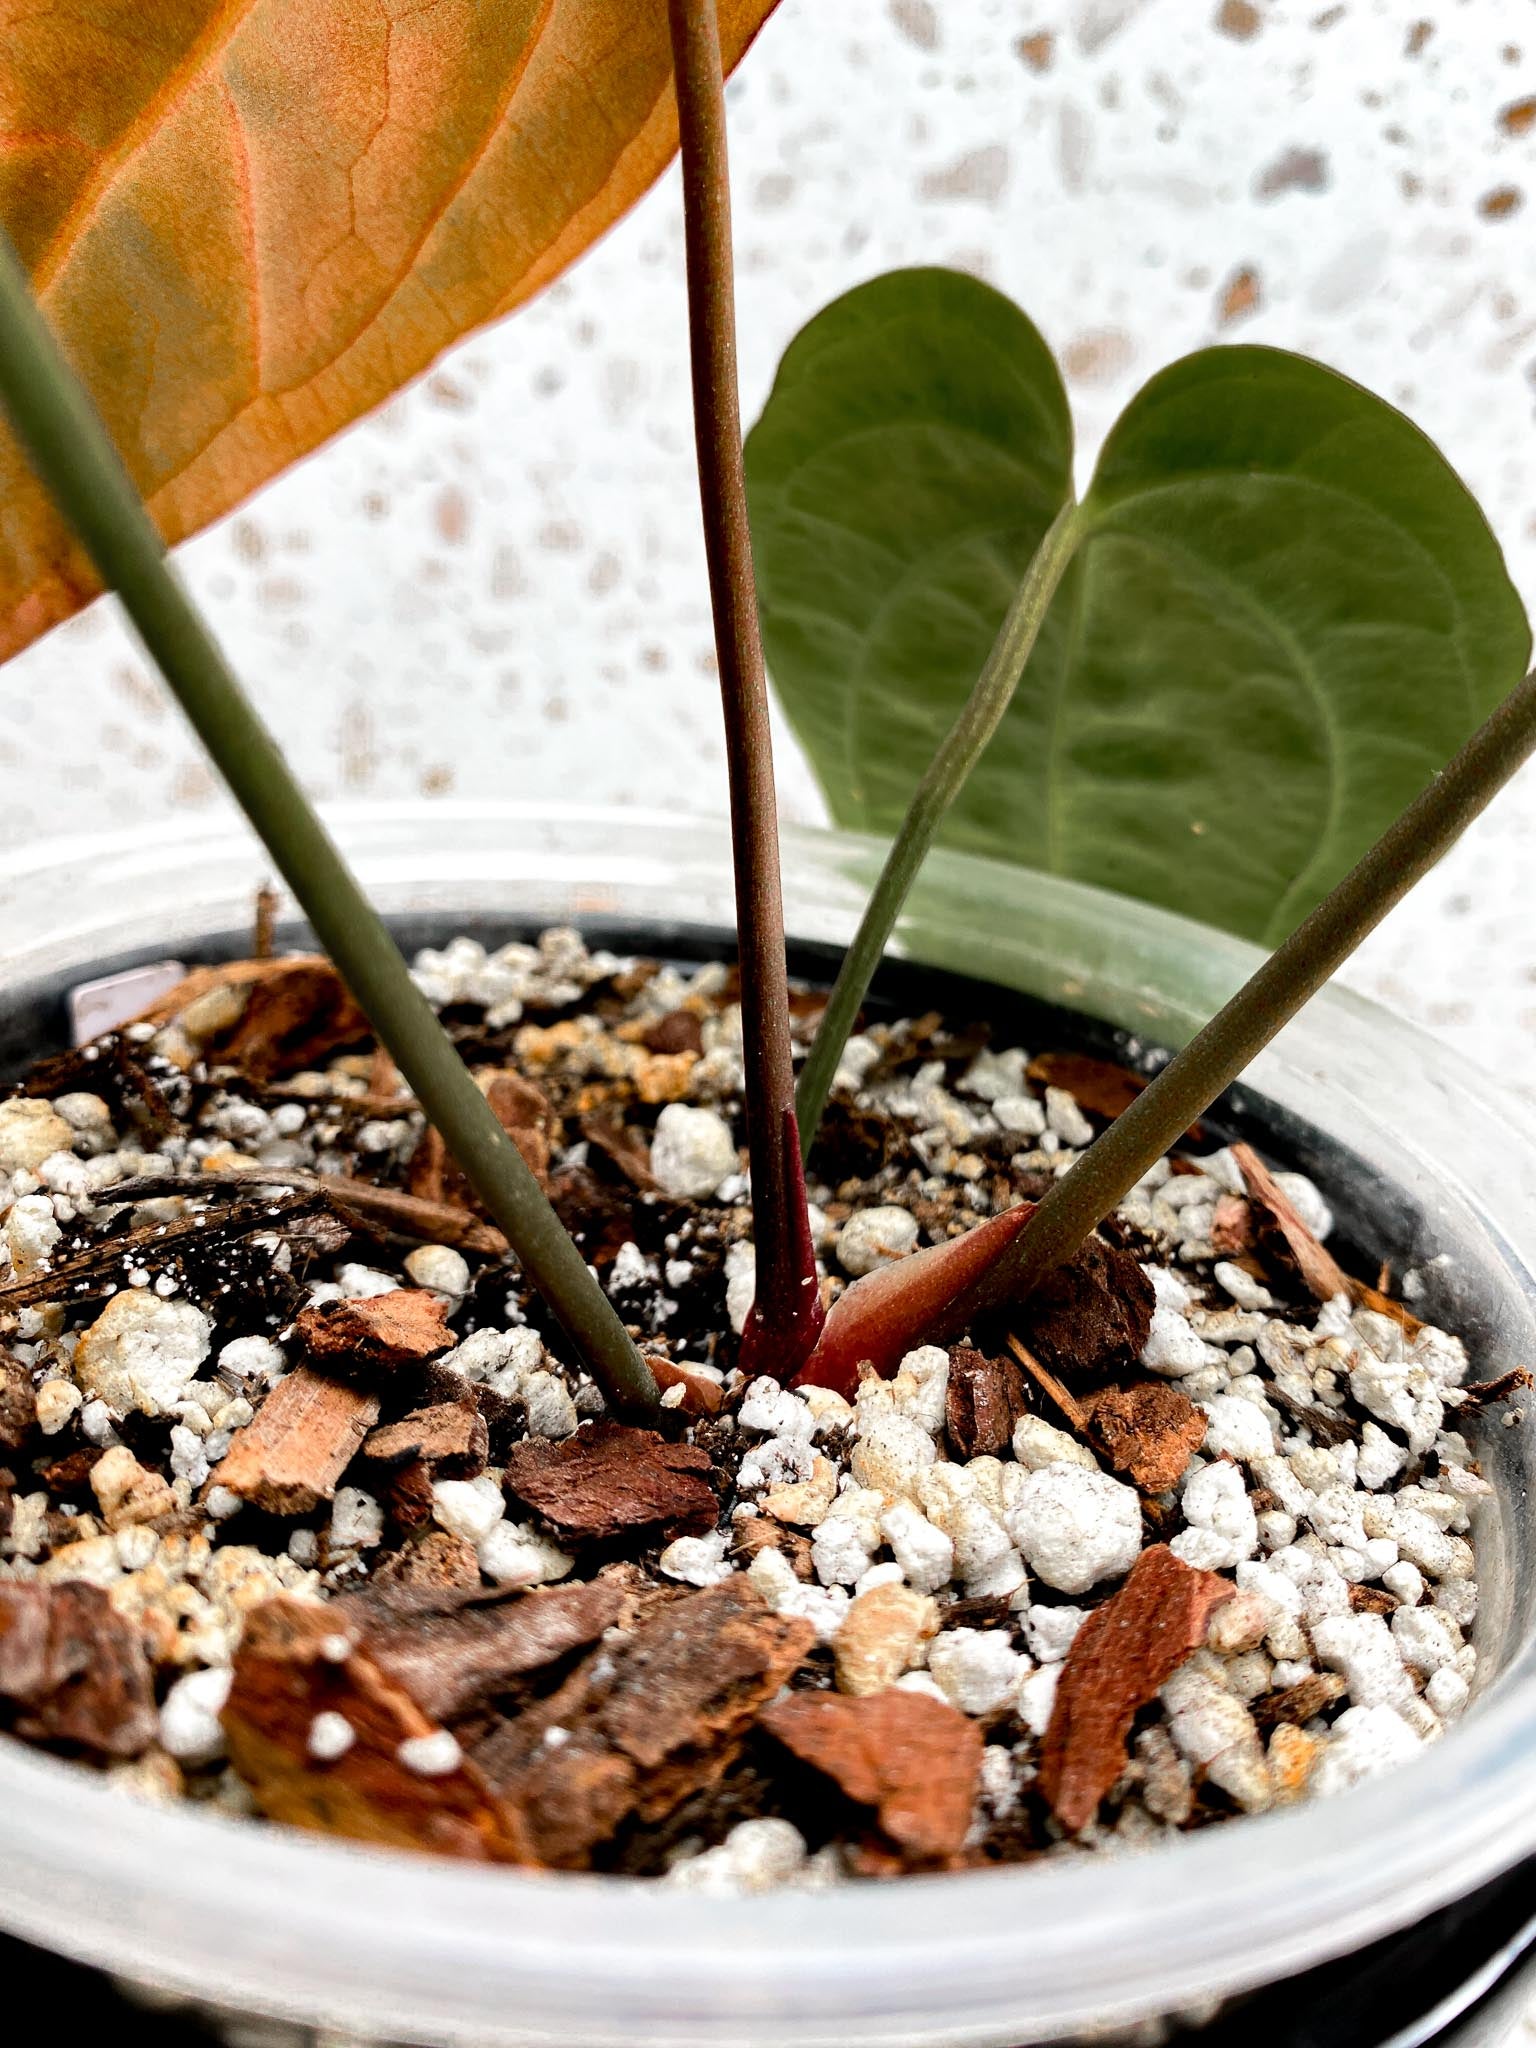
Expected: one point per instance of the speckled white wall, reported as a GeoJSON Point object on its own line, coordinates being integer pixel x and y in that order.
{"type": "Point", "coordinates": [495, 586]}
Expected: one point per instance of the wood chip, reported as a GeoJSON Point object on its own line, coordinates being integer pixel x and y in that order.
{"type": "Point", "coordinates": [18, 1405]}
{"type": "Point", "coordinates": [1148, 1431]}
{"type": "Point", "coordinates": [297, 1016]}
{"type": "Point", "coordinates": [1480, 1394]}
{"type": "Point", "coordinates": [524, 1113]}
{"type": "Point", "coordinates": [296, 1660]}
{"type": "Point", "coordinates": [625, 1148]}
{"type": "Point", "coordinates": [74, 1671]}
{"type": "Point", "coordinates": [355, 1339]}
{"type": "Point", "coordinates": [1120, 1657]}
{"type": "Point", "coordinates": [295, 1012]}
{"type": "Point", "coordinates": [1061, 1398]}
{"type": "Point", "coordinates": [761, 1532]}
{"type": "Point", "coordinates": [647, 1722]}
{"type": "Point", "coordinates": [913, 1760]}
{"type": "Point", "coordinates": [437, 1561]}
{"type": "Point", "coordinates": [1101, 1087]}
{"type": "Point", "coordinates": [450, 1437]}
{"type": "Point", "coordinates": [1328, 1425]}
{"type": "Point", "coordinates": [609, 1480]}
{"type": "Point", "coordinates": [406, 1493]}
{"type": "Point", "coordinates": [1283, 1238]}
{"type": "Point", "coordinates": [264, 923]}
{"type": "Point", "coordinates": [701, 1395]}
{"type": "Point", "coordinates": [1089, 1319]}
{"type": "Point", "coordinates": [986, 1397]}
{"type": "Point", "coordinates": [1298, 1703]}
{"type": "Point", "coordinates": [288, 1459]}
{"type": "Point", "coordinates": [1372, 1600]}
{"type": "Point", "coordinates": [454, 1651]}
{"type": "Point", "coordinates": [224, 974]}
{"type": "Point", "coordinates": [1231, 1226]}
{"type": "Point", "coordinates": [413, 1216]}
{"type": "Point", "coordinates": [677, 1031]}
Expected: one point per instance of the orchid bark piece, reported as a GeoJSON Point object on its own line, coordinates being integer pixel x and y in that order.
{"type": "Point", "coordinates": [1121, 1655]}
{"type": "Point", "coordinates": [74, 456]}
{"type": "Point", "coordinates": [786, 1316]}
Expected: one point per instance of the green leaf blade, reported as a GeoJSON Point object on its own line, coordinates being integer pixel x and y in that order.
{"type": "Point", "coordinates": [915, 448]}
{"type": "Point", "coordinates": [1343, 600]}
{"type": "Point", "coordinates": [1286, 613]}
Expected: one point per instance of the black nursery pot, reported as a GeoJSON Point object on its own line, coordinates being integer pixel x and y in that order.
{"type": "Point", "coordinates": [1394, 1913]}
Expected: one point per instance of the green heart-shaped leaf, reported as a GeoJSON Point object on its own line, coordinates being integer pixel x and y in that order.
{"type": "Point", "coordinates": [1285, 614]}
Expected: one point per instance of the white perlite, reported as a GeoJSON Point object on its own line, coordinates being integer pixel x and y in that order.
{"type": "Point", "coordinates": [514, 1556]}
{"type": "Point", "coordinates": [1222, 1529]}
{"type": "Point", "coordinates": [1075, 1528]}
{"type": "Point", "coordinates": [141, 1352]}
{"type": "Point", "coordinates": [470, 1508]}
{"type": "Point", "coordinates": [756, 1856]}
{"type": "Point", "coordinates": [330, 1736]}
{"type": "Point", "coordinates": [977, 1670]}
{"type": "Point", "coordinates": [30, 1131]}
{"type": "Point", "coordinates": [1364, 1742]}
{"type": "Point", "coordinates": [440, 1269]}
{"type": "Point", "coordinates": [692, 1151]}
{"type": "Point", "coordinates": [875, 1237]}
{"type": "Point", "coordinates": [190, 1729]}
{"type": "Point", "coordinates": [697, 1560]}
{"type": "Point", "coordinates": [430, 1756]}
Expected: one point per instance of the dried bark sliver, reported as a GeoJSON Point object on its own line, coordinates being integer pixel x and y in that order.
{"type": "Point", "coordinates": [1101, 1087]}
{"type": "Point", "coordinates": [913, 1760]}
{"type": "Point", "coordinates": [1149, 1432]}
{"type": "Point", "coordinates": [394, 1778]}
{"type": "Point", "coordinates": [453, 1651]}
{"type": "Point", "coordinates": [302, 1438]}
{"type": "Point", "coordinates": [609, 1481]}
{"type": "Point", "coordinates": [1089, 1319]}
{"type": "Point", "coordinates": [626, 1149]}
{"type": "Point", "coordinates": [450, 1438]}
{"type": "Point", "coordinates": [1120, 1658]}
{"type": "Point", "coordinates": [1284, 1240]}
{"type": "Point", "coordinates": [297, 1014]}
{"type": "Point", "coordinates": [985, 1398]}
{"type": "Point", "coordinates": [524, 1113]}
{"type": "Point", "coordinates": [359, 1338]}
{"type": "Point", "coordinates": [644, 1723]}
{"type": "Point", "coordinates": [297, 1010]}
{"type": "Point", "coordinates": [75, 1671]}
{"type": "Point", "coordinates": [1232, 1226]}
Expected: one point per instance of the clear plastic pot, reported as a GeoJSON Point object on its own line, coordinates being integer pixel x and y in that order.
{"type": "Point", "coordinates": [260, 1920]}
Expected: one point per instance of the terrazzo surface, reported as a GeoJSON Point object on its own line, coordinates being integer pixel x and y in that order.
{"type": "Point", "coordinates": [494, 587]}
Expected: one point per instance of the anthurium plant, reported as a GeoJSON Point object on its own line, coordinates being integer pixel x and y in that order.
{"type": "Point", "coordinates": [1264, 671]}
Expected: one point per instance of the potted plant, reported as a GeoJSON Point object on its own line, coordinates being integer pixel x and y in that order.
{"type": "Point", "coordinates": [369, 1721]}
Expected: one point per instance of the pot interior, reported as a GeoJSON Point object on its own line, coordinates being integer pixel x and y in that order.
{"type": "Point", "coordinates": [873, 1970]}
{"type": "Point", "coordinates": [1378, 1220]}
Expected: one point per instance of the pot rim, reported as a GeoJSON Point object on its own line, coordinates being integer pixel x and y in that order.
{"type": "Point", "coordinates": [412, 1947]}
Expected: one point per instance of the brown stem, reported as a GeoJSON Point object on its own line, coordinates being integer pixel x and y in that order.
{"type": "Point", "coordinates": [1241, 1029]}
{"type": "Point", "coordinates": [786, 1315]}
